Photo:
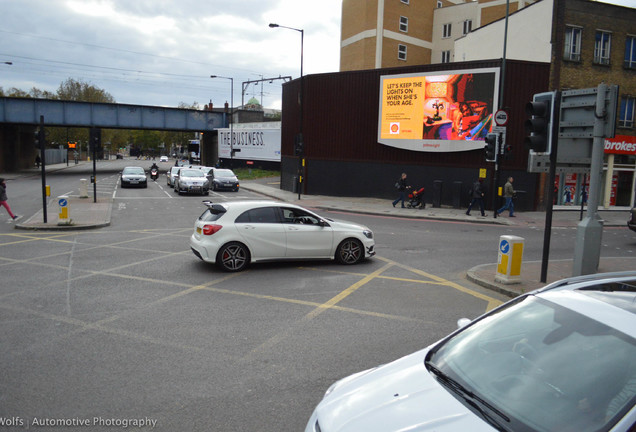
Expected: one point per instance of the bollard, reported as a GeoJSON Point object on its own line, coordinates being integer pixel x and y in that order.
{"type": "Point", "coordinates": [63, 217]}
{"type": "Point", "coordinates": [509, 261]}
{"type": "Point", "coordinates": [437, 193]}
{"type": "Point", "coordinates": [83, 190]}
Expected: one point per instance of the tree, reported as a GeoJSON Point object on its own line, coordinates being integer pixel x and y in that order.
{"type": "Point", "coordinates": [73, 90]}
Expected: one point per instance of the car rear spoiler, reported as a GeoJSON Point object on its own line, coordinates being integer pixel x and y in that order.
{"type": "Point", "coordinates": [215, 208]}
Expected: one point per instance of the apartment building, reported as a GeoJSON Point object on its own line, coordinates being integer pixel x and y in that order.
{"type": "Point", "coordinates": [392, 33]}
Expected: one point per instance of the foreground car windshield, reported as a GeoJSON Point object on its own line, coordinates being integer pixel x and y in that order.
{"type": "Point", "coordinates": [538, 366]}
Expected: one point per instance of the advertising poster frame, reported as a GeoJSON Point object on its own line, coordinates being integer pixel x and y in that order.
{"type": "Point", "coordinates": [442, 111]}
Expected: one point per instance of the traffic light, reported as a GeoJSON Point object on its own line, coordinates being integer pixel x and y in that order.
{"type": "Point", "coordinates": [506, 152]}
{"type": "Point", "coordinates": [298, 145]}
{"type": "Point", "coordinates": [492, 147]}
{"type": "Point", "coordinates": [39, 138]}
{"type": "Point", "coordinates": [95, 140]}
{"type": "Point", "coordinates": [539, 125]}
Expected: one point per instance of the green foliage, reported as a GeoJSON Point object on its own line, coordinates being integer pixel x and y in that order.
{"type": "Point", "coordinates": [254, 173]}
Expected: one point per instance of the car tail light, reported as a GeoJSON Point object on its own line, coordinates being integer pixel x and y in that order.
{"type": "Point", "coordinates": [210, 229]}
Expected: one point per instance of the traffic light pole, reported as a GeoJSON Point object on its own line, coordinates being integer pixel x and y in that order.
{"type": "Point", "coordinates": [587, 251]}
{"type": "Point", "coordinates": [41, 138]}
{"type": "Point", "coordinates": [496, 191]}
{"type": "Point", "coordinates": [547, 231]}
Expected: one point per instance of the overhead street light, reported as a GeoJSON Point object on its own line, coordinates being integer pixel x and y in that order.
{"type": "Point", "coordinates": [231, 117]}
{"type": "Point", "coordinates": [298, 142]}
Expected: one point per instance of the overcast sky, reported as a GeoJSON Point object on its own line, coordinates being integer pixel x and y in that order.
{"type": "Point", "coordinates": [162, 52]}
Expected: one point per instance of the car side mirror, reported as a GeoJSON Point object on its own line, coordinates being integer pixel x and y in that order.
{"type": "Point", "coordinates": [323, 223]}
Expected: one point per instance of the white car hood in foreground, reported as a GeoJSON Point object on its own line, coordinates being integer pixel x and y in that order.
{"type": "Point", "coordinates": [399, 396]}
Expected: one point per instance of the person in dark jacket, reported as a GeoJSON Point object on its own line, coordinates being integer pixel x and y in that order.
{"type": "Point", "coordinates": [478, 196]}
{"type": "Point", "coordinates": [3, 198]}
{"type": "Point", "coordinates": [402, 186]}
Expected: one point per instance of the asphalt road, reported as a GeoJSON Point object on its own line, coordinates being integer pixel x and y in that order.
{"type": "Point", "coordinates": [124, 324]}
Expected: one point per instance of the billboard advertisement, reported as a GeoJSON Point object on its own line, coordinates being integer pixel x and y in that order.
{"type": "Point", "coordinates": [439, 111]}
{"type": "Point", "coordinates": [254, 144]}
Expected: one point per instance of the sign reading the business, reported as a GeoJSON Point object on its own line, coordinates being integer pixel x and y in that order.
{"type": "Point", "coordinates": [437, 112]}
{"type": "Point", "coordinates": [254, 144]}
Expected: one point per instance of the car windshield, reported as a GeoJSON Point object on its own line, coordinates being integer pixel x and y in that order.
{"type": "Point", "coordinates": [191, 173]}
{"type": "Point", "coordinates": [133, 170]}
{"type": "Point", "coordinates": [544, 367]}
{"type": "Point", "coordinates": [223, 173]}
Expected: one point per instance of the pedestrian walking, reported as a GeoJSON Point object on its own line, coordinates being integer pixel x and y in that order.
{"type": "Point", "coordinates": [38, 161]}
{"type": "Point", "coordinates": [509, 194]}
{"type": "Point", "coordinates": [3, 198]}
{"type": "Point", "coordinates": [478, 194]}
{"type": "Point", "coordinates": [401, 185]}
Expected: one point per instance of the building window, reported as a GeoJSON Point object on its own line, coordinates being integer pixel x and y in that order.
{"type": "Point", "coordinates": [405, 1]}
{"type": "Point", "coordinates": [439, 4]}
{"type": "Point", "coordinates": [447, 31]}
{"type": "Point", "coordinates": [630, 52]}
{"type": "Point", "coordinates": [602, 43]}
{"type": "Point", "coordinates": [446, 56]}
{"type": "Point", "coordinates": [468, 26]}
{"type": "Point", "coordinates": [404, 24]}
{"type": "Point", "coordinates": [402, 52]}
{"type": "Point", "coordinates": [626, 117]}
{"type": "Point", "coordinates": [572, 44]}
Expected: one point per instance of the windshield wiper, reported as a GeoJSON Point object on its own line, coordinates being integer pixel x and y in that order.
{"type": "Point", "coordinates": [470, 398]}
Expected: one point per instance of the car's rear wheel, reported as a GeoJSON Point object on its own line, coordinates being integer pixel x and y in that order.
{"type": "Point", "coordinates": [233, 257]}
{"type": "Point", "coordinates": [350, 251]}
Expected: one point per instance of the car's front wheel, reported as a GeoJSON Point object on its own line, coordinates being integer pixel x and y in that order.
{"type": "Point", "coordinates": [233, 257]}
{"type": "Point", "coordinates": [350, 251]}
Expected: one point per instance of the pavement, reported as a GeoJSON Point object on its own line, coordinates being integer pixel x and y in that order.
{"type": "Point", "coordinates": [87, 213]}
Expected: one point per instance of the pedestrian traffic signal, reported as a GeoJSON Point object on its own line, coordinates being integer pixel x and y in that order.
{"type": "Point", "coordinates": [492, 147]}
{"type": "Point", "coordinates": [507, 151]}
{"type": "Point", "coordinates": [539, 125]}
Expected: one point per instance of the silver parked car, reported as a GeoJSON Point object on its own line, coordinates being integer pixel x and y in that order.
{"type": "Point", "coordinates": [561, 358]}
{"type": "Point", "coordinates": [171, 174]}
{"type": "Point", "coordinates": [191, 180]}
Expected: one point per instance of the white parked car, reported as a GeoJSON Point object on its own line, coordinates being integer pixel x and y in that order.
{"type": "Point", "coordinates": [562, 358]}
{"type": "Point", "coordinates": [234, 234]}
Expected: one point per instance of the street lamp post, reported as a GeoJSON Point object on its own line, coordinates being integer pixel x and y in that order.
{"type": "Point", "coordinates": [231, 117]}
{"type": "Point", "coordinates": [299, 139]}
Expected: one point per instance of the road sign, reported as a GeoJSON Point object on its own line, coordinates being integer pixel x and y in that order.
{"type": "Point", "coordinates": [501, 118]}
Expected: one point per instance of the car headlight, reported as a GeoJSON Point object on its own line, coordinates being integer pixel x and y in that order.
{"type": "Point", "coordinates": [368, 234]}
